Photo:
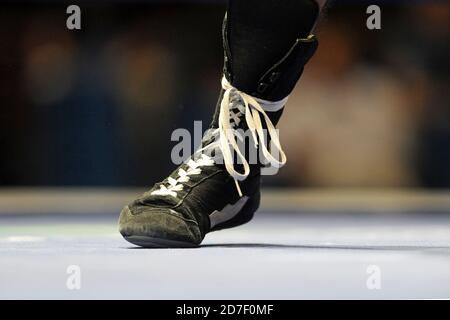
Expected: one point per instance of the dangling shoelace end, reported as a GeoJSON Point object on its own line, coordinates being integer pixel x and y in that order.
{"type": "Point", "coordinates": [238, 188]}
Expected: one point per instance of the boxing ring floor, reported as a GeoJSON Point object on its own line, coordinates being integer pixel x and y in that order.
{"type": "Point", "coordinates": [299, 246]}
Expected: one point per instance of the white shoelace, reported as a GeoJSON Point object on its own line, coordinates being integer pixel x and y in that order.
{"type": "Point", "coordinates": [252, 108]}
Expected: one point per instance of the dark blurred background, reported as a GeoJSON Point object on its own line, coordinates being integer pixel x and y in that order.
{"type": "Point", "coordinates": [97, 106]}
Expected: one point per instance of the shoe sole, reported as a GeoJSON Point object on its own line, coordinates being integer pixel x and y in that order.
{"type": "Point", "coordinates": [152, 242]}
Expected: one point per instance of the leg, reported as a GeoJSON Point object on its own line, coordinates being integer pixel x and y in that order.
{"type": "Point", "coordinates": [267, 44]}
{"type": "Point", "coordinates": [260, 33]}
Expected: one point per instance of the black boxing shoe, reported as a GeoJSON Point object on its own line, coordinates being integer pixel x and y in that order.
{"type": "Point", "coordinates": [219, 186]}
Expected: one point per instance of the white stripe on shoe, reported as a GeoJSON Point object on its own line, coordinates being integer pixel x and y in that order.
{"type": "Point", "coordinates": [228, 212]}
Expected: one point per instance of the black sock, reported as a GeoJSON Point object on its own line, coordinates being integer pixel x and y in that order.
{"type": "Point", "coordinates": [260, 33]}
